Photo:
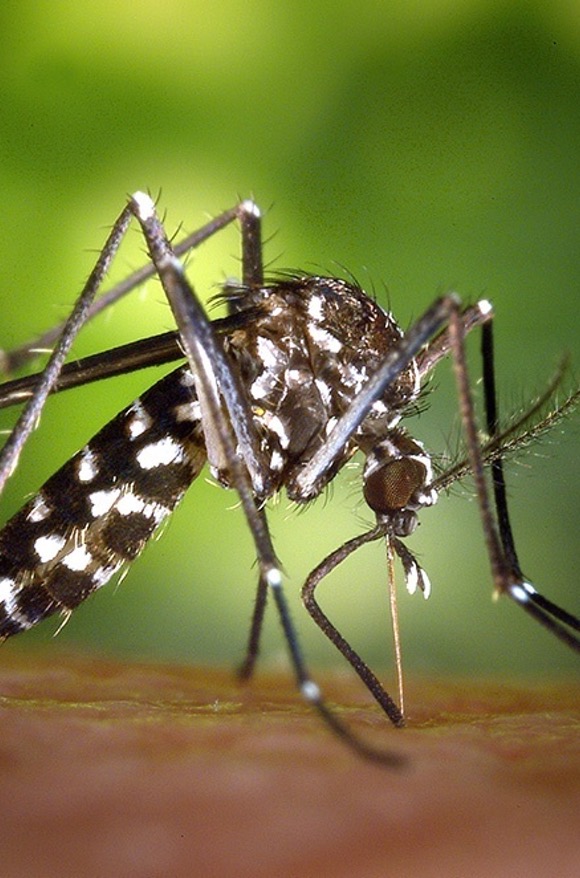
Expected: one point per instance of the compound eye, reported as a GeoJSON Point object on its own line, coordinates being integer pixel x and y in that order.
{"type": "Point", "coordinates": [390, 487]}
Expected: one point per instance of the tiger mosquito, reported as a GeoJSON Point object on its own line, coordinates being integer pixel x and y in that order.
{"type": "Point", "coordinates": [303, 372]}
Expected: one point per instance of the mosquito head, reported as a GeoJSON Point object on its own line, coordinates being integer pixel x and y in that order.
{"type": "Point", "coordinates": [396, 481]}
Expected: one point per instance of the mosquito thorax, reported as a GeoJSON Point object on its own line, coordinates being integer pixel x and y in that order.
{"type": "Point", "coordinates": [311, 346]}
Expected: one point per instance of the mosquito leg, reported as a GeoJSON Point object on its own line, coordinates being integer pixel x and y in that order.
{"type": "Point", "coordinates": [213, 377]}
{"type": "Point", "coordinates": [517, 587]}
{"type": "Point", "coordinates": [85, 309]}
{"type": "Point", "coordinates": [440, 347]}
{"type": "Point", "coordinates": [519, 432]}
{"type": "Point", "coordinates": [497, 471]}
{"type": "Point", "coordinates": [199, 344]}
{"type": "Point", "coordinates": [310, 477]}
{"type": "Point", "coordinates": [211, 370]}
{"type": "Point", "coordinates": [326, 566]}
{"type": "Point", "coordinates": [49, 377]}
{"type": "Point", "coordinates": [129, 356]}
{"type": "Point", "coordinates": [506, 571]}
{"type": "Point", "coordinates": [251, 227]}
{"type": "Point", "coordinates": [155, 350]}
{"type": "Point", "coordinates": [312, 694]}
{"type": "Point", "coordinates": [253, 276]}
{"type": "Point", "coordinates": [500, 571]}
{"type": "Point", "coordinates": [247, 667]}
{"type": "Point", "coordinates": [144, 353]}
{"type": "Point", "coordinates": [11, 361]}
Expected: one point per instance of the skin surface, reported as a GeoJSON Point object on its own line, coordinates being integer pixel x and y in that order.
{"type": "Point", "coordinates": [134, 770]}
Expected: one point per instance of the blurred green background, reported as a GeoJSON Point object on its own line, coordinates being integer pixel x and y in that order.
{"type": "Point", "coordinates": [421, 146]}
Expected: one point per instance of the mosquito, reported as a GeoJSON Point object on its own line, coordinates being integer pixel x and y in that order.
{"type": "Point", "coordinates": [303, 372]}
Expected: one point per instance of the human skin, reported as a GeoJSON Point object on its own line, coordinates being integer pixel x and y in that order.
{"type": "Point", "coordinates": [124, 769]}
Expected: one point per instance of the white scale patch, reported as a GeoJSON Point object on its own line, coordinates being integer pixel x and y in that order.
{"type": "Point", "coordinates": [130, 504]}
{"type": "Point", "coordinates": [519, 593]}
{"type": "Point", "coordinates": [87, 466]}
{"type": "Point", "coordinates": [416, 379]}
{"type": "Point", "coordinates": [138, 421]}
{"type": "Point", "coordinates": [186, 379]}
{"type": "Point", "coordinates": [485, 307]}
{"type": "Point", "coordinates": [310, 691]}
{"type": "Point", "coordinates": [40, 510]}
{"type": "Point", "coordinates": [274, 424]}
{"type": "Point", "coordinates": [47, 548]}
{"type": "Point", "coordinates": [427, 497]}
{"type": "Point", "coordinates": [263, 385]}
{"type": "Point", "coordinates": [412, 577]}
{"type": "Point", "coordinates": [101, 575]}
{"type": "Point", "coordinates": [79, 559]}
{"type": "Point", "coordinates": [330, 425]}
{"type": "Point", "coordinates": [276, 461]}
{"type": "Point", "coordinates": [187, 411]}
{"type": "Point", "coordinates": [7, 590]}
{"type": "Point", "coordinates": [144, 205]}
{"type": "Point", "coordinates": [160, 453]}
{"type": "Point", "coordinates": [325, 339]}
{"type": "Point", "coordinates": [315, 309]}
{"type": "Point", "coordinates": [355, 378]}
{"type": "Point", "coordinates": [268, 352]}
{"type": "Point", "coordinates": [8, 596]}
{"type": "Point", "coordinates": [272, 362]}
{"type": "Point", "coordinates": [103, 501]}
{"type": "Point", "coordinates": [251, 208]}
{"type": "Point", "coordinates": [324, 391]}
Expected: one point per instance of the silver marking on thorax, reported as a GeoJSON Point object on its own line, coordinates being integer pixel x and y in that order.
{"type": "Point", "coordinates": [268, 352]}
{"type": "Point", "coordinates": [315, 308]}
{"type": "Point", "coordinates": [325, 339]}
{"type": "Point", "coordinates": [277, 426]}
